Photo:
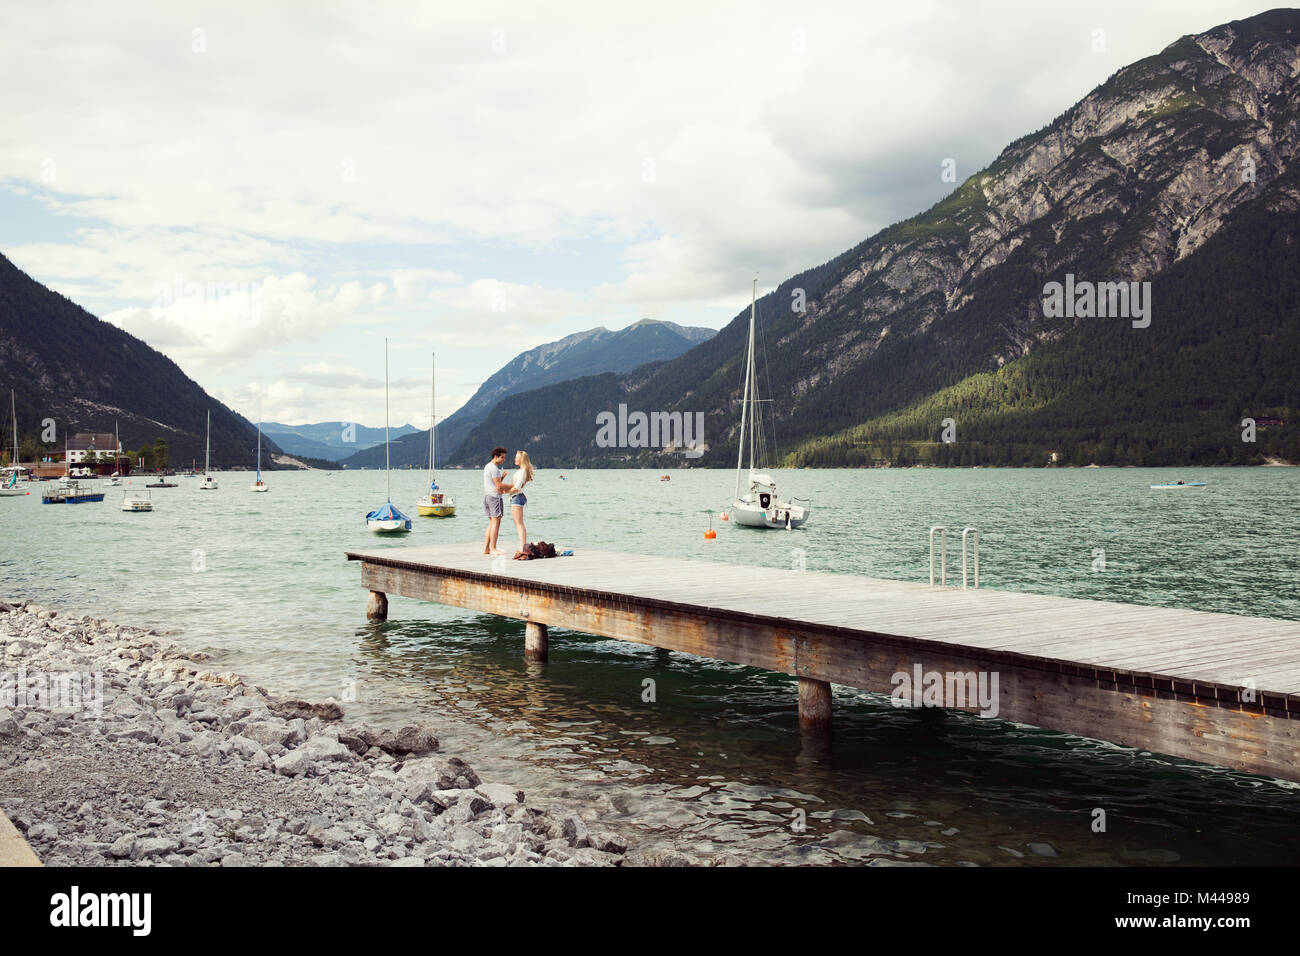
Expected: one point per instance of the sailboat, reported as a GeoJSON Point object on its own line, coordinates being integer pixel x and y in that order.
{"type": "Point", "coordinates": [10, 488]}
{"type": "Point", "coordinates": [209, 483]}
{"type": "Point", "coordinates": [115, 479]}
{"type": "Point", "coordinates": [387, 519]}
{"type": "Point", "coordinates": [760, 506]}
{"type": "Point", "coordinates": [259, 484]}
{"type": "Point", "coordinates": [435, 504]}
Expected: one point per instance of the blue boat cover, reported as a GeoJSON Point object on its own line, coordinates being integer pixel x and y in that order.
{"type": "Point", "coordinates": [433, 486]}
{"type": "Point", "coordinates": [388, 513]}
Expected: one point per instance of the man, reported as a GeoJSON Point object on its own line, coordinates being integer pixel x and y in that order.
{"type": "Point", "coordinates": [493, 488]}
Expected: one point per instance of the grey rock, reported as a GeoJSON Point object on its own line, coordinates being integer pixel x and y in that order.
{"type": "Point", "coordinates": [323, 748]}
{"type": "Point", "coordinates": [499, 795]}
{"type": "Point", "coordinates": [418, 778]}
{"type": "Point", "coordinates": [294, 764]}
{"type": "Point", "coordinates": [574, 831]}
{"type": "Point", "coordinates": [153, 846]}
{"type": "Point", "coordinates": [42, 832]}
{"type": "Point", "coordinates": [301, 710]}
{"type": "Point", "coordinates": [607, 843]}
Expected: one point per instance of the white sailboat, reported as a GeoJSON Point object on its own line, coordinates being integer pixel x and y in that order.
{"type": "Point", "coordinates": [10, 488]}
{"type": "Point", "coordinates": [760, 506]}
{"type": "Point", "coordinates": [259, 484]}
{"type": "Point", "coordinates": [115, 479]}
{"type": "Point", "coordinates": [387, 519]}
{"type": "Point", "coordinates": [436, 504]}
{"type": "Point", "coordinates": [209, 483]}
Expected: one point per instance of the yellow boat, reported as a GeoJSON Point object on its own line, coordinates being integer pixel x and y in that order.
{"type": "Point", "coordinates": [435, 504]}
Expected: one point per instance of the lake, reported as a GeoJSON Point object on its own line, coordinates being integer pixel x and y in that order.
{"type": "Point", "coordinates": [716, 764]}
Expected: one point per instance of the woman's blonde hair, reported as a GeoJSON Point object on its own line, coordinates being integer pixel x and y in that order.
{"type": "Point", "coordinates": [526, 464]}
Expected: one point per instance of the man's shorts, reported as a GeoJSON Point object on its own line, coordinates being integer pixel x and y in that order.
{"type": "Point", "coordinates": [492, 506]}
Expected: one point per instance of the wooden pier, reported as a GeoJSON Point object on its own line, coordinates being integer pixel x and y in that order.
{"type": "Point", "coordinates": [1215, 688]}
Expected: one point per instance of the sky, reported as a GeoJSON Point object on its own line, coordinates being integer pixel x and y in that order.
{"type": "Point", "coordinates": [265, 192]}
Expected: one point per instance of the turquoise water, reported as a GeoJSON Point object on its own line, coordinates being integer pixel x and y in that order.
{"type": "Point", "coordinates": [716, 765]}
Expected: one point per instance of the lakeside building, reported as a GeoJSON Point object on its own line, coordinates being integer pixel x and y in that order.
{"type": "Point", "coordinates": [99, 452]}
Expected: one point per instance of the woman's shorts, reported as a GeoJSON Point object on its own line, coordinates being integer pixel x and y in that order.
{"type": "Point", "coordinates": [519, 500]}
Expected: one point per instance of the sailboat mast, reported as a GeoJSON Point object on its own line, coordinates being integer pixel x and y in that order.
{"type": "Point", "coordinates": [207, 448]}
{"type": "Point", "coordinates": [744, 404]}
{"type": "Point", "coordinates": [13, 410]}
{"type": "Point", "coordinates": [259, 441]}
{"type": "Point", "coordinates": [388, 465]}
{"type": "Point", "coordinates": [433, 409]}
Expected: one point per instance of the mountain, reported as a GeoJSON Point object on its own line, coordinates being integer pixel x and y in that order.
{"type": "Point", "coordinates": [328, 441]}
{"type": "Point", "coordinates": [87, 375]}
{"type": "Point", "coordinates": [583, 353]}
{"type": "Point", "coordinates": [1178, 170]}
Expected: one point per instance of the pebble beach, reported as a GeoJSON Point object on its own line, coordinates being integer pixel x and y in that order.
{"type": "Point", "coordinates": [118, 747]}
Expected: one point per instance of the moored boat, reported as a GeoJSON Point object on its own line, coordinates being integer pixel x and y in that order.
{"type": "Point", "coordinates": [436, 504]}
{"type": "Point", "coordinates": [760, 506]}
{"type": "Point", "coordinates": [137, 501]}
{"type": "Point", "coordinates": [387, 519]}
{"type": "Point", "coordinates": [209, 483]}
{"type": "Point", "coordinates": [258, 483]}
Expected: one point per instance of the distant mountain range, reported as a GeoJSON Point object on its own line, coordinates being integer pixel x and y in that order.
{"type": "Point", "coordinates": [1179, 170]}
{"type": "Point", "coordinates": [89, 376]}
{"type": "Point", "coordinates": [583, 353]}
{"type": "Point", "coordinates": [328, 440]}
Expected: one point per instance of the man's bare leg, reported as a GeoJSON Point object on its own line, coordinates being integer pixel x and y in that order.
{"type": "Point", "coordinates": [494, 529]}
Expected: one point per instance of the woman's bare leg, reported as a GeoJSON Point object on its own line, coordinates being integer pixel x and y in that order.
{"type": "Point", "coordinates": [517, 511]}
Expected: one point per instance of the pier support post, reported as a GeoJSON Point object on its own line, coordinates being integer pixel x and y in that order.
{"type": "Point", "coordinates": [377, 606]}
{"type": "Point", "coordinates": [814, 705]}
{"type": "Point", "coordinates": [535, 642]}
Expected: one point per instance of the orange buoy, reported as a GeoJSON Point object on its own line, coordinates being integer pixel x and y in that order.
{"type": "Point", "coordinates": [710, 534]}
{"type": "Point", "coordinates": [724, 517]}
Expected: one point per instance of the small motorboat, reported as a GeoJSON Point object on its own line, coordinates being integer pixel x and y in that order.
{"type": "Point", "coordinates": [1167, 486]}
{"type": "Point", "coordinates": [135, 501]}
{"type": "Point", "coordinates": [161, 484]}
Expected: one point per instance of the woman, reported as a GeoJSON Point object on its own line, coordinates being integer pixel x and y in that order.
{"type": "Point", "coordinates": [517, 498]}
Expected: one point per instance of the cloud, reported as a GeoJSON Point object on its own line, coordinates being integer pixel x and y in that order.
{"type": "Point", "coordinates": [399, 168]}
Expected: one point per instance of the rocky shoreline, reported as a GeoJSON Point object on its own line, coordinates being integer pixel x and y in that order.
{"type": "Point", "coordinates": [118, 748]}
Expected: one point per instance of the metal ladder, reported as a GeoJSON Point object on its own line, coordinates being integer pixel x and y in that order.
{"type": "Point", "coordinates": [966, 534]}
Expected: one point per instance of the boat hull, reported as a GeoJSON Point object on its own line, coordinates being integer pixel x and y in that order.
{"type": "Point", "coordinates": [388, 527]}
{"type": "Point", "coordinates": [749, 516]}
